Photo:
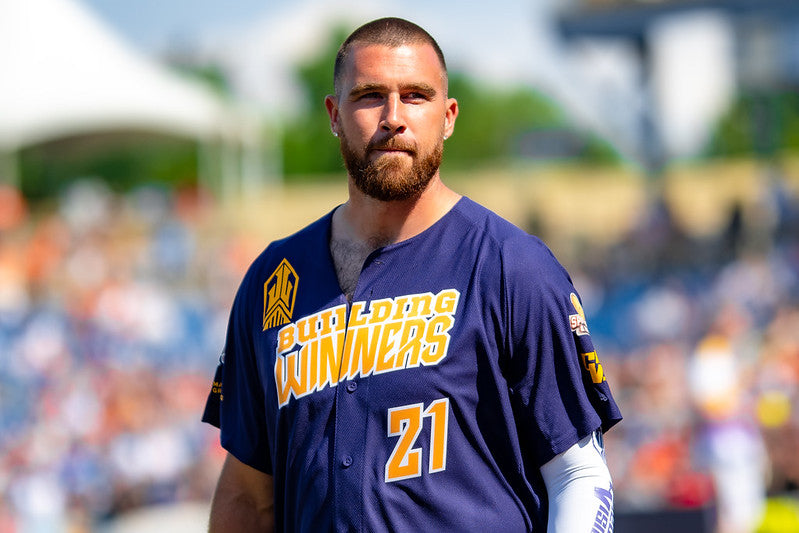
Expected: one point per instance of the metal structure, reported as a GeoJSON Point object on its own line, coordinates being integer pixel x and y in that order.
{"type": "Point", "coordinates": [632, 20]}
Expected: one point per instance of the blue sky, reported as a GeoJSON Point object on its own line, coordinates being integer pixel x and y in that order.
{"type": "Point", "coordinates": [514, 33]}
{"type": "Point", "coordinates": [150, 24]}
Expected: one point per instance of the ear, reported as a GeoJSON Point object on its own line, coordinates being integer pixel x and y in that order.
{"type": "Point", "coordinates": [331, 104]}
{"type": "Point", "coordinates": [450, 116]}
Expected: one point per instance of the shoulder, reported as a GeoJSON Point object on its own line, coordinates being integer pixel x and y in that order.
{"type": "Point", "coordinates": [520, 253]}
{"type": "Point", "coordinates": [479, 218]}
{"type": "Point", "coordinates": [287, 250]}
{"type": "Point", "coordinates": [311, 235]}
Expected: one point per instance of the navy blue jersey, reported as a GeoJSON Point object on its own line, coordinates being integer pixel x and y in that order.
{"type": "Point", "coordinates": [462, 365]}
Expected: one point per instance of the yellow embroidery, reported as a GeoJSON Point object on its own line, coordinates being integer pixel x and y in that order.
{"type": "Point", "coordinates": [577, 306]}
{"type": "Point", "coordinates": [327, 347]}
{"type": "Point", "coordinates": [594, 367]}
{"type": "Point", "coordinates": [280, 292]}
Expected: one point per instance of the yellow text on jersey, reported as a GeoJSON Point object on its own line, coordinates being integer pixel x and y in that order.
{"type": "Point", "coordinates": [324, 348]}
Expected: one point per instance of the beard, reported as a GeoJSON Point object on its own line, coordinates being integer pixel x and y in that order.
{"type": "Point", "coordinates": [391, 178]}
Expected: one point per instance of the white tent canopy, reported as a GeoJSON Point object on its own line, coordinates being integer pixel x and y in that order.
{"type": "Point", "coordinates": [62, 72]}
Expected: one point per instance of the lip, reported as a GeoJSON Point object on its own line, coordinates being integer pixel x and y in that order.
{"type": "Point", "coordinates": [390, 151]}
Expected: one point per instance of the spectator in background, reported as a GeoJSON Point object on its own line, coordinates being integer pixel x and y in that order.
{"type": "Point", "coordinates": [729, 440]}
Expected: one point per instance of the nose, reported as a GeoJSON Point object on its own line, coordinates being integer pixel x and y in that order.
{"type": "Point", "coordinates": [393, 120]}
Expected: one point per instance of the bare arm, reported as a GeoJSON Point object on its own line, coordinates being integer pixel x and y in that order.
{"type": "Point", "coordinates": [244, 500]}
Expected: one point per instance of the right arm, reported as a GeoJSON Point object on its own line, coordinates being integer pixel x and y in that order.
{"type": "Point", "coordinates": [244, 500]}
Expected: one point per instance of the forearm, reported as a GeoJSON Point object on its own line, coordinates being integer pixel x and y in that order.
{"type": "Point", "coordinates": [230, 513]}
{"type": "Point", "coordinates": [580, 490]}
{"type": "Point", "coordinates": [243, 501]}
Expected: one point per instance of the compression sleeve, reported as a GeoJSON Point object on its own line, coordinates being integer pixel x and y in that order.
{"type": "Point", "coordinates": [579, 489]}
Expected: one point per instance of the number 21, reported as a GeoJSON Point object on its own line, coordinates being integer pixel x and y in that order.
{"type": "Point", "coordinates": [406, 422]}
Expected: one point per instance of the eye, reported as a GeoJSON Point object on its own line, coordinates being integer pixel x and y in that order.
{"type": "Point", "coordinates": [415, 97]}
{"type": "Point", "coordinates": [374, 95]}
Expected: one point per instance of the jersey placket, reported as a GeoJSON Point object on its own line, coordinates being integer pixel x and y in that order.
{"type": "Point", "coordinates": [352, 418]}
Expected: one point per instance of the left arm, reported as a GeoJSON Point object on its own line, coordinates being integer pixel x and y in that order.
{"type": "Point", "coordinates": [579, 489]}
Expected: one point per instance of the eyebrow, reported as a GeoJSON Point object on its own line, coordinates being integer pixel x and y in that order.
{"type": "Point", "coordinates": [364, 88]}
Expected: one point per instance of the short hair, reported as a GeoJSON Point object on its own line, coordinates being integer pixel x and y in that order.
{"type": "Point", "coordinates": [388, 31]}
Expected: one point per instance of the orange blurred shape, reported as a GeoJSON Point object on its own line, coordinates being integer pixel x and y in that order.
{"type": "Point", "coordinates": [13, 209]}
{"type": "Point", "coordinates": [660, 459]}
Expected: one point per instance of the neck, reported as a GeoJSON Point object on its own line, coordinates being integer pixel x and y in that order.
{"type": "Point", "coordinates": [374, 223]}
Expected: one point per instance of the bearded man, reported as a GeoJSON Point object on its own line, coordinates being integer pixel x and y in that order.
{"type": "Point", "coordinates": [411, 361]}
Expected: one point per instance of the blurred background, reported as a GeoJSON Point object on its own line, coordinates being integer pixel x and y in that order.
{"type": "Point", "coordinates": [150, 150]}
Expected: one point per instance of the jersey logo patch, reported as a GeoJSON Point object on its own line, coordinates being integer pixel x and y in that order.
{"type": "Point", "coordinates": [280, 292]}
{"type": "Point", "coordinates": [577, 322]}
{"type": "Point", "coordinates": [593, 366]}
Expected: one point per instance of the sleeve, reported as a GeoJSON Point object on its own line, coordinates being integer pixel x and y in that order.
{"type": "Point", "coordinates": [211, 412]}
{"type": "Point", "coordinates": [579, 489]}
{"type": "Point", "coordinates": [558, 387]}
{"type": "Point", "coordinates": [236, 402]}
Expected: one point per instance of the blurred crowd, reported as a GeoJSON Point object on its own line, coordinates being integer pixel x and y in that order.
{"type": "Point", "coordinates": [112, 314]}
{"type": "Point", "coordinates": [113, 310]}
{"type": "Point", "coordinates": [700, 340]}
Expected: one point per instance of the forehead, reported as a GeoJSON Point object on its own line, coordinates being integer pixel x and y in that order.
{"type": "Point", "coordinates": [381, 64]}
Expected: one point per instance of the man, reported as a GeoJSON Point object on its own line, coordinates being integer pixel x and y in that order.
{"type": "Point", "coordinates": [411, 361]}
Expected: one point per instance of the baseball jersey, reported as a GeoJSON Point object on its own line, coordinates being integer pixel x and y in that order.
{"type": "Point", "coordinates": [462, 364]}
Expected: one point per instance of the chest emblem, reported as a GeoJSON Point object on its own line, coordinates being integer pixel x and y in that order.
{"type": "Point", "coordinates": [280, 293]}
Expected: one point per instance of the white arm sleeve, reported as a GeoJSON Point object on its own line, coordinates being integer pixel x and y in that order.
{"type": "Point", "coordinates": [579, 489]}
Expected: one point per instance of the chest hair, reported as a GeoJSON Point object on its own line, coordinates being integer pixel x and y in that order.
{"type": "Point", "coordinates": [348, 258]}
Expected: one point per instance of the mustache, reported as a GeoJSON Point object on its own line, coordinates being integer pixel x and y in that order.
{"type": "Point", "coordinates": [391, 143]}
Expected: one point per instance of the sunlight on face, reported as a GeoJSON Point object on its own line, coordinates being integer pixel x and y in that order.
{"type": "Point", "coordinates": [391, 119]}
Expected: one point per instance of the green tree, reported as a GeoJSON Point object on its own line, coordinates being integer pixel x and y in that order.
{"type": "Point", "coordinates": [757, 123]}
{"type": "Point", "coordinates": [308, 146]}
{"type": "Point", "coordinates": [122, 159]}
{"type": "Point", "coordinates": [491, 121]}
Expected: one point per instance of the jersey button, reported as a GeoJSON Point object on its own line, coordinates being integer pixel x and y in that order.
{"type": "Point", "coordinates": [351, 386]}
{"type": "Point", "coordinates": [346, 461]}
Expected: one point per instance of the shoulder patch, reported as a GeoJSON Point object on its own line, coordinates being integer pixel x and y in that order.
{"type": "Point", "coordinates": [280, 292]}
{"type": "Point", "coordinates": [593, 366]}
{"type": "Point", "coordinates": [577, 305]}
{"type": "Point", "coordinates": [577, 321]}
